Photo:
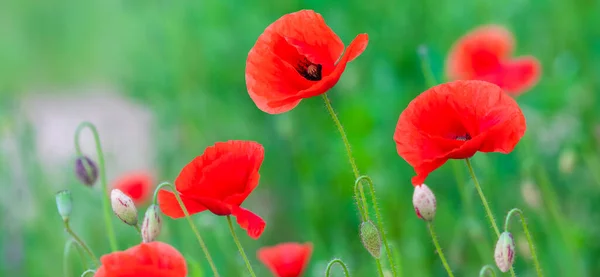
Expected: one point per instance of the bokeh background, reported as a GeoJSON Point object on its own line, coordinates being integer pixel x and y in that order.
{"type": "Point", "coordinates": [162, 80]}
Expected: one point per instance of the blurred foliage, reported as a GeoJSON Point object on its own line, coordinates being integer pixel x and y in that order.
{"type": "Point", "coordinates": [185, 61]}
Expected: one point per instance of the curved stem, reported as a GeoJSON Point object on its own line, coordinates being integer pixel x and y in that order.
{"type": "Point", "coordinates": [239, 246]}
{"type": "Point", "coordinates": [439, 249]}
{"type": "Point", "coordinates": [85, 273]}
{"type": "Point", "coordinates": [82, 244]}
{"type": "Point", "coordinates": [341, 263]}
{"type": "Point", "coordinates": [105, 195]}
{"type": "Point", "coordinates": [189, 219]}
{"type": "Point", "coordinates": [379, 218]}
{"type": "Point", "coordinates": [137, 228]}
{"type": "Point", "coordinates": [487, 269]}
{"type": "Point", "coordinates": [68, 245]}
{"type": "Point", "coordinates": [486, 206]}
{"type": "Point", "coordinates": [536, 262]}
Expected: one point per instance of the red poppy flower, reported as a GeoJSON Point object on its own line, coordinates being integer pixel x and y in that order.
{"type": "Point", "coordinates": [219, 181]}
{"type": "Point", "coordinates": [286, 259]}
{"type": "Point", "coordinates": [296, 57]}
{"type": "Point", "coordinates": [455, 120]}
{"type": "Point", "coordinates": [137, 185]}
{"type": "Point", "coordinates": [154, 259]}
{"type": "Point", "coordinates": [485, 54]}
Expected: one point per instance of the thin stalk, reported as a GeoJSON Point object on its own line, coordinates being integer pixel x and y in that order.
{"type": "Point", "coordinates": [81, 243]}
{"type": "Point", "coordinates": [341, 263]}
{"type": "Point", "coordinates": [87, 272]}
{"type": "Point", "coordinates": [486, 206]}
{"type": "Point", "coordinates": [240, 248]}
{"type": "Point", "coordinates": [68, 245]}
{"type": "Point", "coordinates": [189, 219]}
{"type": "Point", "coordinates": [360, 196]}
{"type": "Point", "coordinates": [487, 269]}
{"type": "Point", "coordinates": [137, 228]}
{"type": "Point", "coordinates": [439, 249]}
{"type": "Point", "coordinates": [105, 196]}
{"type": "Point", "coordinates": [379, 268]}
{"type": "Point", "coordinates": [536, 262]}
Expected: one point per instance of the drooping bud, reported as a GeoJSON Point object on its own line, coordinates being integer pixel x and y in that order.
{"type": "Point", "coordinates": [152, 224]}
{"type": "Point", "coordinates": [64, 203]}
{"type": "Point", "coordinates": [370, 238]}
{"type": "Point", "coordinates": [424, 202]}
{"type": "Point", "coordinates": [86, 170]}
{"type": "Point", "coordinates": [505, 252]}
{"type": "Point", "coordinates": [566, 161]}
{"type": "Point", "coordinates": [123, 207]}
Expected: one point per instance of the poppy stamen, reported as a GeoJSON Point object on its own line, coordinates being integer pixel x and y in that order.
{"type": "Point", "coordinates": [466, 137]}
{"type": "Point", "coordinates": [308, 70]}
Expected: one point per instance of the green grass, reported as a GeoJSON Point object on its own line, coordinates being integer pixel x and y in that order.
{"type": "Point", "coordinates": [185, 61]}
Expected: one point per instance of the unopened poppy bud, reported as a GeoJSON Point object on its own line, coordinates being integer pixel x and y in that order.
{"type": "Point", "coordinates": [64, 203]}
{"type": "Point", "coordinates": [566, 161]}
{"type": "Point", "coordinates": [371, 240]}
{"type": "Point", "coordinates": [86, 170]}
{"type": "Point", "coordinates": [424, 202]}
{"type": "Point", "coordinates": [505, 252]}
{"type": "Point", "coordinates": [123, 207]}
{"type": "Point", "coordinates": [152, 224]}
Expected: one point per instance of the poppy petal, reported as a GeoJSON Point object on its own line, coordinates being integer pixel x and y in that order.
{"type": "Point", "coordinates": [286, 259]}
{"type": "Point", "coordinates": [154, 259]}
{"type": "Point", "coordinates": [169, 206]}
{"type": "Point", "coordinates": [137, 185]}
{"type": "Point", "coordinates": [252, 223]}
{"type": "Point", "coordinates": [519, 75]}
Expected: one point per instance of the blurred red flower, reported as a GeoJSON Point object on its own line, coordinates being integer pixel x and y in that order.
{"type": "Point", "coordinates": [219, 181]}
{"type": "Point", "coordinates": [154, 259]}
{"type": "Point", "coordinates": [137, 185]}
{"type": "Point", "coordinates": [286, 259]}
{"type": "Point", "coordinates": [455, 120]}
{"type": "Point", "coordinates": [485, 54]}
{"type": "Point", "coordinates": [297, 56]}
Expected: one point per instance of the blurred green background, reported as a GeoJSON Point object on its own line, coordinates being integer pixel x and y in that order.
{"type": "Point", "coordinates": [182, 63]}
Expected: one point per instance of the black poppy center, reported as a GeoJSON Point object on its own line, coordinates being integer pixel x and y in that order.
{"type": "Point", "coordinates": [465, 137]}
{"type": "Point", "coordinates": [308, 70]}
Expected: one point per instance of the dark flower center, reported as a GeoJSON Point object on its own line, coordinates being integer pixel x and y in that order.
{"type": "Point", "coordinates": [308, 70]}
{"type": "Point", "coordinates": [463, 138]}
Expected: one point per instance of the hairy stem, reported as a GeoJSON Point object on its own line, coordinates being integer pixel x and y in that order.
{"type": "Point", "coordinates": [536, 262]}
{"type": "Point", "coordinates": [487, 269]}
{"type": "Point", "coordinates": [81, 243]}
{"type": "Point", "coordinates": [341, 263]}
{"type": "Point", "coordinates": [240, 248]}
{"type": "Point", "coordinates": [439, 249]}
{"type": "Point", "coordinates": [103, 182]}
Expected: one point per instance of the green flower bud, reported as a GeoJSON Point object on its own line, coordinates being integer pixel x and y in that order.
{"type": "Point", "coordinates": [123, 207]}
{"type": "Point", "coordinates": [64, 203]}
{"type": "Point", "coordinates": [152, 224]}
{"type": "Point", "coordinates": [370, 238]}
{"type": "Point", "coordinates": [505, 251]}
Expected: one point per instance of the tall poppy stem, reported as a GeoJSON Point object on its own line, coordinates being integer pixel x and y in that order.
{"type": "Point", "coordinates": [359, 194]}
{"type": "Point", "coordinates": [71, 243]}
{"type": "Point", "coordinates": [110, 232]}
{"type": "Point", "coordinates": [486, 206]}
{"type": "Point", "coordinates": [240, 248]}
{"type": "Point", "coordinates": [189, 219]}
{"type": "Point", "coordinates": [438, 249]}
{"type": "Point", "coordinates": [81, 243]}
{"type": "Point", "coordinates": [341, 263]}
{"type": "Point", "coordinates": [538, 268]}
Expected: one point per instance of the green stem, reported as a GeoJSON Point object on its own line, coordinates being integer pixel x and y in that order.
{"type": "Point", "coordinates": [536, 262]}
{"type": "Point", "coordinates": [439, 249]}
{"type": "Point", "coordinates": [487, 269]}
{"type": "Point", "coordinates": [105, 197]}
{"type": "Point", "coordinates": [89, 271]}
{"type": "Point", "coordinates": [486, 206]}
{"type": "Point", "coordinates": [379, 268]}
{"type": "Point", "coordinates": [240, 248]}
{"type": "Point", "coordinates": [81, 243]}
{"type": "Point", "coordinates": [137, 228]}
{"type": "Point", "coordinates": [360, 196]}
{"type": "Point", "coordinates": [341, 263]}
{"type": "Point", "coordinates": [68, 245]}
{"type": "Point", "coordinates": [427, 72]}
{"type": "Point", "coordinates": [379, 218]}
{"type": "Point", "coordinates": [189, 219]}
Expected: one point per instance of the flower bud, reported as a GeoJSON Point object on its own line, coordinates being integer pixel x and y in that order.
{"type": "Point", "coordinates": [424, 202]}
{"type": "Point", "coordinates": [370, 238]}
{"type": "Point", "coordinates": [86, 170]}
{"type": "Point", "coordinates": [123, 207]}
{"type": "Point", "coordinates": [152, 224]}
{"type": "Point", "coordinates": [505, 252]}
{"type": "Point", "coordinates": [64, 203]}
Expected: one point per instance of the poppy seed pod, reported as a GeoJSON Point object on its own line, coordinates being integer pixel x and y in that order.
{"type": "Point", "coordinates": [424, 202]}
{"type": "Point", "coordinates": [86, 170]}
{"type": "Point", "coordinates": [370, 238]}
{"type": "Point", "coordinates": [123, 207]}
{"type": "Point", "coordinates": [64, 203]}
{"type": "Point", "coordinates": [152, 224]}
{"type": "Point", "coordinates": [505, 252]}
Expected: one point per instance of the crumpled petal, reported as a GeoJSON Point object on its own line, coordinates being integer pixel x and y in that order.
{"type": "Point", "coordinates": [252, 223]}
